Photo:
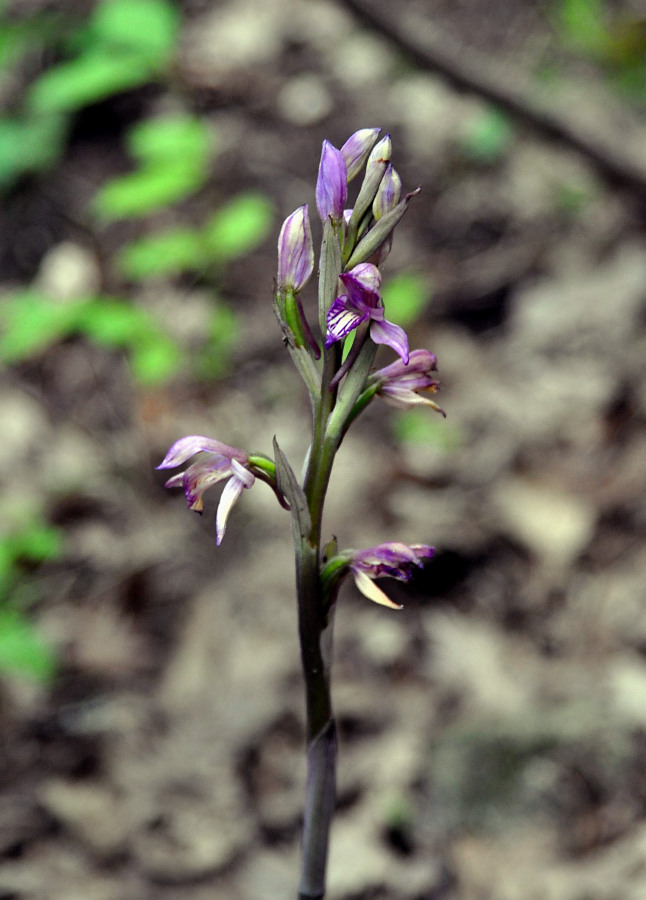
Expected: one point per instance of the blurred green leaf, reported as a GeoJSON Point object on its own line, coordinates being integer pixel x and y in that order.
{"type": "Point", "coordinates": [22, 650]}
{"type": "Point", "coordinates": [147, 28]}
{"type": "Point", "coordinates": [233, 231]}
{"type": "Point", "coordinates": [155, 359]}
{"type": "Point", "coordinates": [29, 144]}
{"type": "Point", "coordinates": [36, 543]}
{"type": "Point", "coordinates": [405, 297]}
{"type": "Point", "coordinates": [168, 253]}
{"type": "Point", "coordinates": [239, 226]}
{"type": "Point", "coordinates": [147, 190]}
{"type": "Point", "coordinates": [31, 321]}
{"type": "Point", "coordinates": [582, 24]}
{"type": "Point", "coordinates": [124, 44]}
{"type": "Point", "coordinates": [88, 79]}
{"type": "Point", "coordinates": [112, 322]}
{"type": "Point", "coordinates": [174, 154]}
{"type": "Point", "coordinates": [164, 138]}
{"type": "Point", "coordinates": [487, 136]}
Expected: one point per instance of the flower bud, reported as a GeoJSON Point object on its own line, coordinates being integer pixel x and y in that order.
{"type": "Point", "coordinates": [331, 184]}
{"type": "Point", "coordinates": [375, 167]}
{"type": "Point", "coordinates": [295, 251]}
{"type": "Point", "coordinates": [356, 149]}
{"type": "Point", "coordinates": [381, 153]}
{"type": "Point", "coordinates": [388, 193]}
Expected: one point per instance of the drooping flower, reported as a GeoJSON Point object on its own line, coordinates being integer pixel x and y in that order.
{"type": "Point", "coordinates": [392, 559]}
{"type": "Point", "coordinates": [331, 184]}
{"type": "Point", "coordinates": [401, 384]}
{"type": "Point", "coordinates": [295, 251]}
{"type": "Point", "coordinates": [219, 463]}
{"type": "Point", "coordinates": [363, 303]}
{"type": "Point", "coordinates": [356, 149]}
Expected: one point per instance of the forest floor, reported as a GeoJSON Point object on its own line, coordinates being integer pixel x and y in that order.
{"type": "Point", "coordinates": [493, 732]}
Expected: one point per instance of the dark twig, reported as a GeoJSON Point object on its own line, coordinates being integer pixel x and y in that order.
{"type": "Point", "coordinates": [471, 71]}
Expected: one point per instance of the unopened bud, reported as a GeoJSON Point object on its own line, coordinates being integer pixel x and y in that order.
{"type": "Point", "coordinates": [356, 149]}
{"type": "Point", "coordinates": [295, 251]}
{"type": "Point", "coordinates": [375, 167]}
{"type": "Point", "coordinates": [381, 153]}
{"type": "Point", "coordinates": [331, 184]}
{"type": "Point", "coordinates": [388, 193]}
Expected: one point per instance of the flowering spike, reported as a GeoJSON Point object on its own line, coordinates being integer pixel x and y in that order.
{"type": "Point", "coordinates": [340, 386]}
{"type": "Point", "coordinates": [295, 251]}
{"type": "Point", "coordinates": [356, 149]}
{"type": "Point", "coordinates": [332, 184]}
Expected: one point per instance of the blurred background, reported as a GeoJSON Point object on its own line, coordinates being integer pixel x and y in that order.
{"type": "Point", "coordinates": [492, 734]}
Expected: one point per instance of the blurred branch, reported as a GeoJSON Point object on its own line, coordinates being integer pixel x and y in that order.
{"type": "Point", "coordinates": [469, 70]}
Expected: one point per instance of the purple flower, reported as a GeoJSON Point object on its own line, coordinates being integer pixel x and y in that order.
{"type": "Point", "coordinates": [393, 560]}
{"type": "Point", "coordinates": [356, 149]}
{"type": "Point", "coordinates": [331, 184]}
{"type": "Point", "coordinates": [401, 384]}
{"type": "Point", "coordinates": [363, 303]}
{"type": "Point", "coordinates": [220, 462]}
{"type": "Point", "coordinates": [295, 251]}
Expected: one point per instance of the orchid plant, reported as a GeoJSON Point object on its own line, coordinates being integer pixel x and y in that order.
{"type": "Point", "coordinates": [335, 360]}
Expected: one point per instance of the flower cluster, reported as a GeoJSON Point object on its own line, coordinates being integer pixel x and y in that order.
{"type": "Point", "coordinates": [364, 235]}
{"type": "Point", "coordinates": [356, 240]}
